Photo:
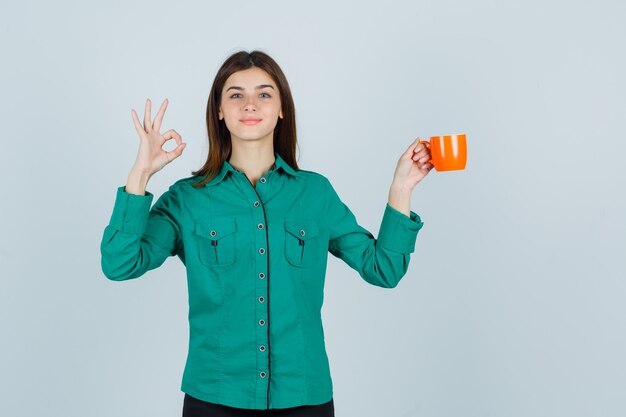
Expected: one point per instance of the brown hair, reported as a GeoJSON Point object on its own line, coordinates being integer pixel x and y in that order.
{"type": "Point", "coordinates": [220, 146]}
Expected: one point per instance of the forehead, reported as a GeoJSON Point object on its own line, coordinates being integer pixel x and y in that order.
{"type": "Point", "coordinates": [249, 78]}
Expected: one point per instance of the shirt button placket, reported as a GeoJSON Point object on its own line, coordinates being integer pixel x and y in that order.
{"type": "Point", "coordinates": [262, 347]}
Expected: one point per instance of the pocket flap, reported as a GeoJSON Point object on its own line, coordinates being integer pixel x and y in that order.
{"type": "Point", "coordinates": [302, 228]}
{"type": "Point", "coordinates": [216, 227]}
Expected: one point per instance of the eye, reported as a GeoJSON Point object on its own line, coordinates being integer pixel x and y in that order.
{"type": "Point", "coordinates": [238, 94]}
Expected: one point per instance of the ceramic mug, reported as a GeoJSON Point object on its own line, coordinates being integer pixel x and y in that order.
{"type": "Point", "coordinates": [448, 152]}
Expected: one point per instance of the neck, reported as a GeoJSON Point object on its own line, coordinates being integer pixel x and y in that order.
{"type": "Point", "coordinates": [253, 164]}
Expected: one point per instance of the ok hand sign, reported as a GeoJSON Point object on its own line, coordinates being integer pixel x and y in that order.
{"type": "Point", "coordinates": [151, 157]}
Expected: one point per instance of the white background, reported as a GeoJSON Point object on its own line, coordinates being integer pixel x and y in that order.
{"type": "Point", "coordinates": [513, 304]}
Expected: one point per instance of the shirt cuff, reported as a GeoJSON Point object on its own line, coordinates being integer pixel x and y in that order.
{"type": "Point", "coordinates": [398, 232]}
{"type": "Point", "coordinates": [130, 212]}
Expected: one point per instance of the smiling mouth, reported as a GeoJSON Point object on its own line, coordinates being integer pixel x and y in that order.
{"type": "Point", "coordinates": [250, 122]}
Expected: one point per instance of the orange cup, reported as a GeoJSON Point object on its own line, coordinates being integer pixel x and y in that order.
{"type": "Point", "coordinates": [448, 153]}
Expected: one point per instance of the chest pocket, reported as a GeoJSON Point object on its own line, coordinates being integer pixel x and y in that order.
{"type": "Point", "coordinates": [217, 244]}
{"type": "Point", "coordinates": [301, 241]}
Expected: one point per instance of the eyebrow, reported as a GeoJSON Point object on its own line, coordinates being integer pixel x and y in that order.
{"type": "Point", "coordinates": [258, 87]}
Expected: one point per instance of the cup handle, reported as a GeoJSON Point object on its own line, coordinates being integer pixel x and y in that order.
{"type": "Point", "coordinates": [427, 143]}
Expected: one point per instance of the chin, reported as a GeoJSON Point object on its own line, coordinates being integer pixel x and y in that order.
{"type": "Point", "coordinates": [249, 136]}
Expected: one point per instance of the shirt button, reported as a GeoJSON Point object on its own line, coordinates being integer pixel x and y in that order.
{"type": "Point", "coordinates": [213, 233]}
{"type": "Point", "coordinates": [261, 299]}
{"type": "Point", "coordinates": [262, 180]}
{"type": "Point", "coordinates": [261, 275]}
{"type": "Point", "coordinates": [262, 348]}
{"type": "Point", "coordinates": [262, 374]}
{"type": "Point", "coordinates": [262, 322]}
{"type": "Point", "coordinates": [260, 225]}
{"type": "Point", "coordinates": [261, 251]}
{"type": "Point", "coordinates": [301, 232]}
{"type": "Point", "coordinates": [256, 204]}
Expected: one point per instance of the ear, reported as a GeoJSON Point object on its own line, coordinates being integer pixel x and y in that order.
{"type": "Point", "coordinates": [280, 114]}
{"type": "Point", "coordinates": [219, 113]}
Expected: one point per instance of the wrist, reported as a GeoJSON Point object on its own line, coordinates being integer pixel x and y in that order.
{"type": "Point", "coordinates": [398, 187]}
{"type": "Point", "coordinates": [400, 198]}
{"type": "Point", "coordinates": [137, 182]}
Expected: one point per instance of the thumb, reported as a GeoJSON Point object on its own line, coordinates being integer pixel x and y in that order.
{"type": "Point", "coordinates": [175, 153]}
{"type": "Point", "coordinates": [412, 146]}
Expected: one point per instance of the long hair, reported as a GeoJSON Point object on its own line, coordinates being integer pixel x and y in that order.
{"type": "Point", "coordinates": [220, 146]}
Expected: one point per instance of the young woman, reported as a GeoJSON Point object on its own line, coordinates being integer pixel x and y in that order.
{"type": "Point", "coordinates": [254, 232]}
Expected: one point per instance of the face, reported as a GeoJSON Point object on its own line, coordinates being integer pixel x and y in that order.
{"type": "Point", "coordinates": [250, 94]}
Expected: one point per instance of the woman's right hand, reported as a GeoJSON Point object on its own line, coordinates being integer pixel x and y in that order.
{"type": "Point", "coordinates": [151, 156]}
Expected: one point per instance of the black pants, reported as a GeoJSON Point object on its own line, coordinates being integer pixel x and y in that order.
{"type": "Point", "coordinates": [194, 407]}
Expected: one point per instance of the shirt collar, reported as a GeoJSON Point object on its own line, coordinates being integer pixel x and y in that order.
{"type": "Point", "coordinates": [279, 163]}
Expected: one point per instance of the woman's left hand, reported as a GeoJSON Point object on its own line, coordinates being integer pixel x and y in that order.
{"type": "Point", "coordinates": [413, 165]}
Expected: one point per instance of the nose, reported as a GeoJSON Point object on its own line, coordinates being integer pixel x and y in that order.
{"type": "Point", "coordinates": [250, 104]}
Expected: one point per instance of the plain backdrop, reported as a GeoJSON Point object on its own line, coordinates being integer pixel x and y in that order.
{"type": "Point", "coordinates": [513, 304]}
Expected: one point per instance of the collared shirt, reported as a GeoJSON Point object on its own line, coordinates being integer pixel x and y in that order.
{"type": "Point", "coordinates": [256, 260]}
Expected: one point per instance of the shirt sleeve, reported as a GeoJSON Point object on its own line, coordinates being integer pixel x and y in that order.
{"type": "Point", "coordinates": [381, 262]}
{"type": "Point", "coordinates": [139, 238]}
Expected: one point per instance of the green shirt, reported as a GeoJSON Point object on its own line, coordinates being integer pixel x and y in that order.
{"type": "Point", "coordinates": [256, 264]}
